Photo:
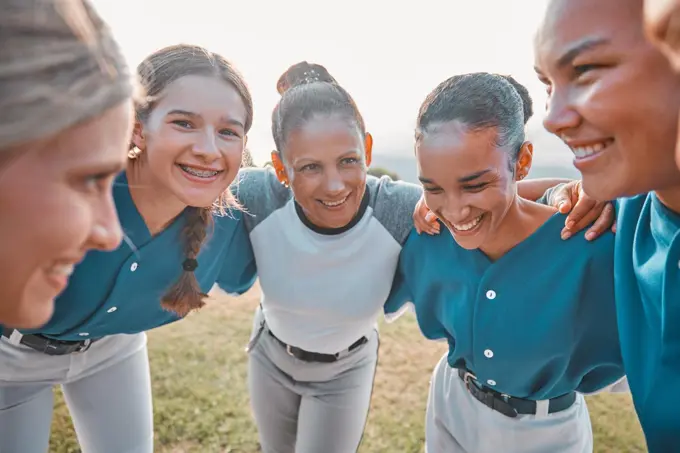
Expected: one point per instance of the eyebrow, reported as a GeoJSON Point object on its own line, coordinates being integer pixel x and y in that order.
{"type": "Point", "coordinates": [307, 160]}
{"type": "Point", "coordinates": [577, 49]}
{"type": "Point", "coordinates": [231, 121]}
{"type": "Point", "coordinates": [463, 179]}
{"type": "Point", "coordinates": [473, 176]}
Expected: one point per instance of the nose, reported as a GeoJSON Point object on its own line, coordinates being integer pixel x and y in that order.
{"type": "Point", "coordinates": [334, 181]}
{"type": "Point", "coordinates": [560, 115]}
{"type": "Point", "coordinates": [206, 147]}
{"type": "Point", "coordinates": [455, 208]}
{"type": "Point", "coordinates": [106, 233]}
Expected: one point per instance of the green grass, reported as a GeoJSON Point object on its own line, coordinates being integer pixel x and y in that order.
{"type": "Point", "coordinates": [198, 371]}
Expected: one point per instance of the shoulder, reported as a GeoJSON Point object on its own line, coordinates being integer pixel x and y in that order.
{"type": "Point", "coordinates": [393, 203]}
{"type": "Point", "coordinates": [259, 193]}
{"type": "Point", "coordinates": [574, 259]}
{"type": "Point", "coordinates": [252, 183]}
{"type": "Point", "coordinates": [397, 194]}
{"type": "Point", "coordinates": [550, 234]}
{"type": "Point", "coordinates": [426, 255]}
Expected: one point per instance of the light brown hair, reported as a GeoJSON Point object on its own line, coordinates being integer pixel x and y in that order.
{"type": "Point", "coordinates": [156, 72]}
{"type": "Point", "coordinates": [59, 66]}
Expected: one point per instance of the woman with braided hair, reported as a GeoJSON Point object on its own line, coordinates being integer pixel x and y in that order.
{"type": "Point", "coordinates": [183, 235]}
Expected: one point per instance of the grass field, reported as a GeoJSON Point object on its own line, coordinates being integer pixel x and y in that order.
{"type": "Point", "coordinates": [198, 370]}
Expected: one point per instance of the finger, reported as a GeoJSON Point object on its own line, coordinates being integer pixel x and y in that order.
{"type": "Point", "coordinates": [420, 224]}
{"type": "Point", "coordinates": [561, 198]}
{"type": "Point", "coordinates": [614, 226]}
{"type": "Point", "coordinates": [423, 225]}
{"type": "Point", "coordinates": [419, 216]}
{"type": "Point", "coordinates": [433, 222]}
{"type": "Point", "coordinates": [586, 220]}
{"type": "Point", "coordinates": [562, 201]}
{"type": "Point", "coordinates": [583, 207]}
{"type": "Point", "coordinates": [429, 228]}
{"type": "Point", "coordinates": [602, 224]}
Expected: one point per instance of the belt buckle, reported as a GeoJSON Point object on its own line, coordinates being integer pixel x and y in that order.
{"type": "Point", "coordinates": [84, 347]}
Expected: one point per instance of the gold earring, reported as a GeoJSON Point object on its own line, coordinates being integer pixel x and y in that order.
{"type": "Point", "coordinates": [134, 153]}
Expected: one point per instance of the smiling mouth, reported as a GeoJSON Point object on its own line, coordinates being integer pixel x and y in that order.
{"type": "Point", "coordinates": [583, 152]}
{"type": "Point", "coordinates": [62, 270]}
{"type": "Point", "coordinates": [334, 204]}
{"type": "Point", "coordinates": [198, 172]}
{"type": "Point", "coordinates": [59, 273]}
{"type": "Point", "coordinates": [469, 225]}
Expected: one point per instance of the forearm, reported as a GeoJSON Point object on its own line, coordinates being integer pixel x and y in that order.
{"type": "Point", "coordinates": [533, 189]}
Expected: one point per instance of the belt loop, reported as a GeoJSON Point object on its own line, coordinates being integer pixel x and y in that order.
{"type": "Point", "coordinates": [15, 337]}
{"type": "Point", "coordinates": [542, 408]}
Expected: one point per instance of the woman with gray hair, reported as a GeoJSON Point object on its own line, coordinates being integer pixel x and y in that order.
{"type": "Point", "coordinates": [65, 122]}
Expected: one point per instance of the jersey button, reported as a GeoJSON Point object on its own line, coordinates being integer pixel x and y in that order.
{"type": "Point", "coordinates": [112, 309]}
{"type": "Point", "coordinates": [491, 382]}
{"type": "Point", "coordinates": [133, 267]}
{"type": "Point", "coordinates": [491, 294]}
{"type": "Point", "coordinates": [488, 353]}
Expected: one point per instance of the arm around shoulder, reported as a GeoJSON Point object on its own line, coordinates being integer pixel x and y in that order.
{"type": "Point", "coordinates": [400, 299]}
{"type": "Point", "coordinates": [393, 204]}
{"type": "Point", "coordinates": [259, 193]}
{"type": "Point", "coordinates": [239, 269]}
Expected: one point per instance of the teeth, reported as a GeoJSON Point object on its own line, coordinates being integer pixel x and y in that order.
{"type": "Point", "coordinates": [585, 151]}
{"type": "Point", "coordinates": [331, 204]}
{"type": "Point", "coordinates": [469, 225]}
{"type": "Point", "coordinates": [62, 269]}
{"type": "Point", "coordinates": [199, 173]}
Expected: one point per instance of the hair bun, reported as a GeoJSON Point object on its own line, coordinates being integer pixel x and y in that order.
{"type": "Point", "coordinates": [527, 102]}
{"type": "Point", "coordinates": [302, 73]}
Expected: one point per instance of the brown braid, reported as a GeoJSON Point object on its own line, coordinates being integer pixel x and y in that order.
{"type": "Point", "coordinates": [186, 295]}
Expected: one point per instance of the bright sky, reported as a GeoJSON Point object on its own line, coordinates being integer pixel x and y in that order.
{"type": "Point", "coordinates": [387, 57]}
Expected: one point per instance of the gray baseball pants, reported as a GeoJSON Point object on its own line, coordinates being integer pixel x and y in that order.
{"type": "Point", "coordinates": [107, 389]}
{"type": "Point", "coordinates": [309, 407]}
{"type": "Point", "coordinates": [458, 423]}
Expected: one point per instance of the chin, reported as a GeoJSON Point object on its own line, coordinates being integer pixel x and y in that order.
{"type": "Point", "coordinates": [600, 187]}
{"type": "Point", "coordinates": [468, 244]}
{"type": "Point", "coordinates": [604, 188]}
{"type": "Point", "coordinates": [28, 315]}
{"type": "Point", "coordinates": [199, 200]}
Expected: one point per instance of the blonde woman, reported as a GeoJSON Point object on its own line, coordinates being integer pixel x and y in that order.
{"type": "Point", "coordinates": [65, 120]}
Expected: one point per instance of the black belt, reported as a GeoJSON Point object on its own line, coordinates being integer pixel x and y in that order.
{"type": "Point", "coordinates": [508, 405]}
{"type": "Point", "coordinates": [316, 356]}
{"type": "Point", "coordinates": [50, 346]}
